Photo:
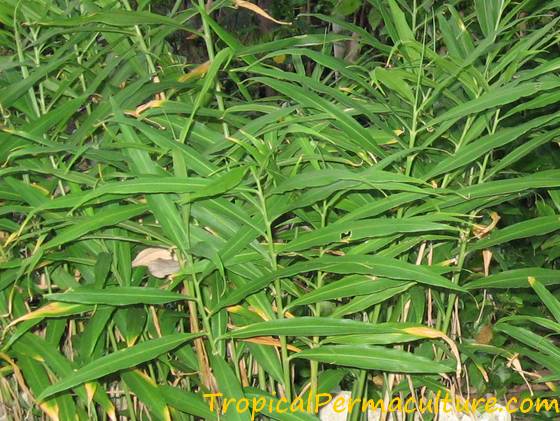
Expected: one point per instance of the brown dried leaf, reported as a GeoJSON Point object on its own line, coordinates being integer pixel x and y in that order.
{"type": "Point", "coordinates": [485, 335]}
{"type": "Point", "coordinates": [487, 259]}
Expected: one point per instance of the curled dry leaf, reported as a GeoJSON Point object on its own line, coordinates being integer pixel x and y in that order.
{"type": "Point", "coordinates": [256, 9]}
{"type": "Point", "coordinates": [515, 364]}
{"type": "Point", "coordinates": [154, 103]}
{"type": "Point", "coordinates": [160, 262]}
{"type": "Point", "coordinates": [480, 231]}
{"type": "Point", "coordinates": [483, 372]}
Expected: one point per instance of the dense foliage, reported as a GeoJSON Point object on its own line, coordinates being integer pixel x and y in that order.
{"type": "Point", "coordinates": [360, 196]}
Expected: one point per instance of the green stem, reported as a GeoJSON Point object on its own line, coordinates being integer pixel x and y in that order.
{"type": "Point", "coordinates": [142, 43]}
{"type": "Point", "coordinates": [129, 403]}
{"type": "Point", "coordinates": [464, 236]}
{"type": "Point", "coordinates": [314, 365]}
{"type": "Point", "coordinates": [277, 288]}
{"type": "Point", "coordinates": [21, 58]}
{"type": "Point", "coordinates": [359, 386]}
{"type": "Point", "coordinates": [211, 54]}
{"type": "Point", "coordinates": [455, 280]}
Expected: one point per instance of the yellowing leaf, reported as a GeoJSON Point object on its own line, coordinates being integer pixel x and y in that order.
{"type": "Point", "coordinates": [279, 59]}
{"type": "Point", "coordinates": [109, 408]}
{"type": "Point", "coordinates": [51, 409]}
{"type": "Point", "coordinates": [238, 309]}
{"type": "Point", "coordinates": [40, 188]}
{"type": "Point", "coordinates": [50, 310]}
{"type": "Point", "coordinates": [483, 372]}
{"type": "Point", "coordinates": [270, 341]}
{"type": "Point", "coordinates": [90, 391]}
{"type": "Point", "coordinates": [428, 332]}
{"type": "Point", "coordinates": [165, 414]}
{"type": "Point", "coordinates": [424, 331]}
{"type": "Point", "coordinates": [197, 71]}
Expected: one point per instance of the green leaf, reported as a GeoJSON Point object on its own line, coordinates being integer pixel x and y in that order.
{"type": "Point", "coordinates": [521, 151]}
{"type": "Point", "coordinates": [549, 300]}
{"type": "Point", "coordinates": [367, 178]}
{"type": "Point", "coordinates": [229, 386]}
{"type": "Point", "coordinates": [259, 397]}
{"type": "Point", "coordinates": [529, 228]}
{"type": "Point", "coordinates": [148, 393]}
{"type": "Point", "coordinates": [350, 286]}
{"type": "Point", "coordinates": [187, 402]}
{"type": "Point", "coordinates": [346, 232]}
{"type": "Point", "coordinates": [530, 338]}
{"type": "Point", "coordinates": [119, 360]}
{"type": "Point", "coordinates": [13, 91]}
{"type": "Point", "coordinates": [491, 99]}
{"type": "Point", "coordinates": [475, 150]}
{"type": "Point", "coordinates": [346, 7]}
{"type": "Point", "coordinates": [114, 18]}
{"type": "Point", "coordinates": [357, 264]}
{"type": "Point", "coordinates": [310, 326]}
{"type": "Point", "coordinates": [488, 15]}
{"type": "Point", "coordinates": [363, 302]}
{"type": "Point", "coordinates": [309, 99]}
{"type": "Point", "coordinates": [394, 81]}
{"type": "Point", "coordinates": [403, 34]}
{"type": "Point", "coordinates": [118, 296]}
{"type": "Point", "coordinates": [219, 59]}
{"type": "Point", "coordinates": [108, 216]}
{"type": "Point", "coordinates": [374, 358]}
{"type": "Point", "coordinates": [516, 278]}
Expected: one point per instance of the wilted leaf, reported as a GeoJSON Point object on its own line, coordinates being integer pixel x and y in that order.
{"type": "Point", "coordinates": [160, 262]}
